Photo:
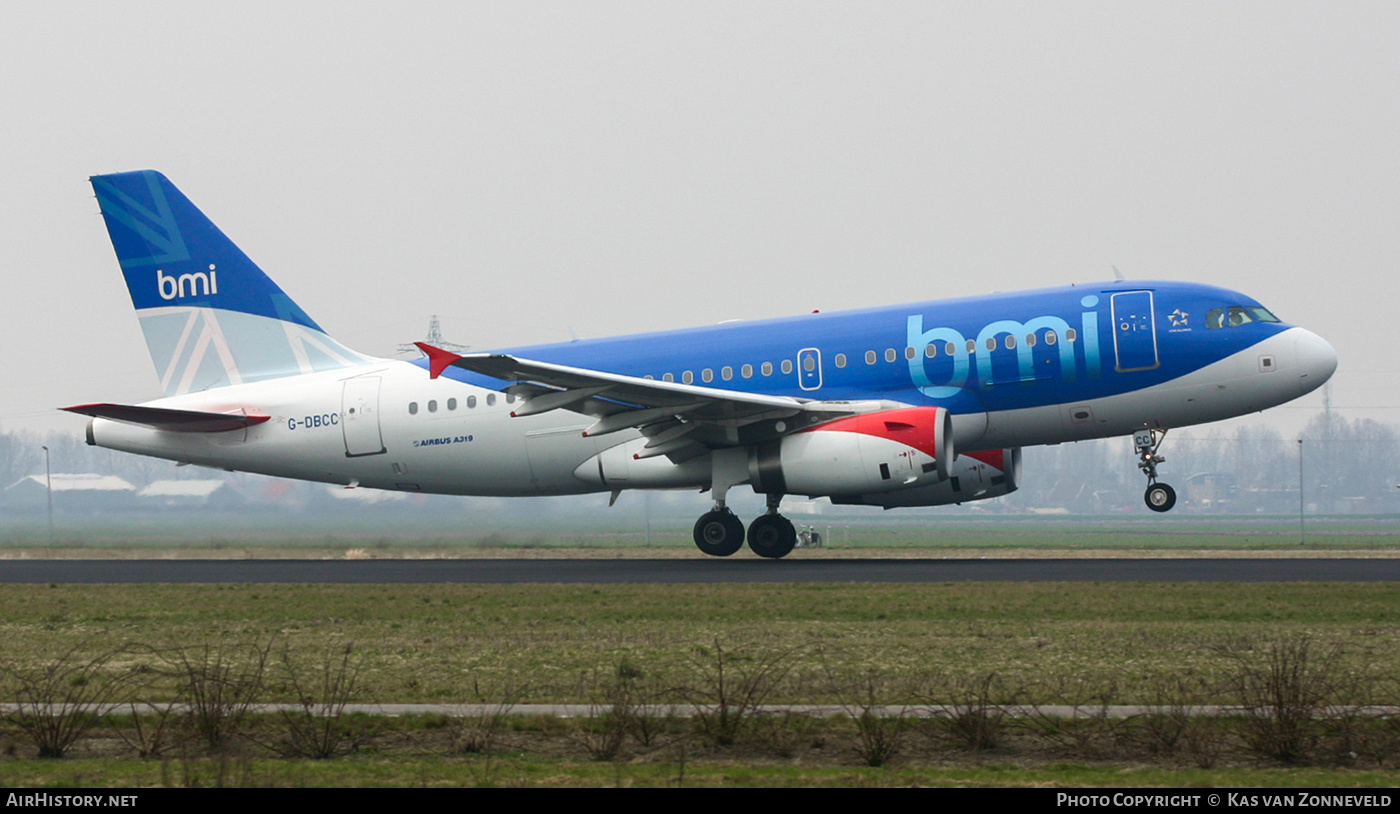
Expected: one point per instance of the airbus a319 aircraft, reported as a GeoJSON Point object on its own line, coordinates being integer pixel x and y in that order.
{"type": "Point", "coordinates": [922, 404]}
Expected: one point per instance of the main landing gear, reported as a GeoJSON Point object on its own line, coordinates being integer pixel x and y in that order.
{"type": "Point", "coordinates": [1159, 496]}
{"type": "Point", "coordinates": [719, 533]}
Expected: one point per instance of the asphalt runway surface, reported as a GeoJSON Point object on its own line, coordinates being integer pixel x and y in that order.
{"type": "Point", "coordinates": [639, 571]}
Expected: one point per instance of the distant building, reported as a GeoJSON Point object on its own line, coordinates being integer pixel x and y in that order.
{"type": "Point", "coordinates": [71, 491]}
{"type": "Point", "coordinates": [188, 494]}
{"type": "Point", "coordinates": [344, 496]}
{"type": "Point", "coordinates": [1211, 490]}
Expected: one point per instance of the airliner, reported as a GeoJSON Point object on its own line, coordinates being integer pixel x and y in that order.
{"type": "Point", "coordinates": [921, 404]}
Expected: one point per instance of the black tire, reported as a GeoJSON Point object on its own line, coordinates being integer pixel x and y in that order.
{"type": "Point", "coordinates": [1160, 497]}
{"type": "Point", "coordinates": [719, 534]}
{"type": "Point", "coordinates": [772, 536]}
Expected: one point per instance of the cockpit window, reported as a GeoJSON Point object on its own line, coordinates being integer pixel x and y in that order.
{"type": "Point", "coordinates": [1237, 315]}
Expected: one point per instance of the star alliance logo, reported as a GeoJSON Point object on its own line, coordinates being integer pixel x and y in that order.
{"type": "Point", "coordinates": [1178, 318]}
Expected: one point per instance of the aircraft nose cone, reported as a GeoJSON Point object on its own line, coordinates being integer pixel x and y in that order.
{"type": "Point", "coordinates": [1316, 360]}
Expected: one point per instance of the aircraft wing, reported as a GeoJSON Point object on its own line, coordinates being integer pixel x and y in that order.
{"type": "Point", "coordinates": [679, 419]}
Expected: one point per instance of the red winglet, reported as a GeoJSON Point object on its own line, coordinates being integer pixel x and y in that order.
{"type": "Point", "coordinates": [438, 359]}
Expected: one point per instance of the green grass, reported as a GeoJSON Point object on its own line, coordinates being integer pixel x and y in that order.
{"type": "Point", "coordinates": [454, 644]}
{"type": "Point", "coordinates": [546, 772]}
{"type": "Point", "coordinates": [471, 643]}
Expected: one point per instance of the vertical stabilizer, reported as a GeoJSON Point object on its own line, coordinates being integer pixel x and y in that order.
{"type": "Point", "coordinates": [212, 318]}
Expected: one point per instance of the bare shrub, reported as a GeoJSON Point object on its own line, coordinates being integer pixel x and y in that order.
{"type": "Point", "coordinates": [56, 703]}
{"type": "Point", "coordinates": [880, 730]}
{"type": "Point", "coordinates": [1205, 738]}
{"type": "Point", "coordinates": [1352, 725]}
{"type": "Point", "coordinates": [220, 685]}
{"type": "Point", "coordinates": [786, 734]}
{"type": "Point", "coordinates": [1377, 737]}
{"type": "Point", "coordinates": [1284, 687]}
{"type": "Point", "coordinates": [154, 729]}
{"type": "Point", "coordinates": [476, 731]}
{"type": "Point", "coordinates": [1080, 724]}
{"type": "Point", "coordinates": [974, 712]}
{"type": "Point", "coordinates": [654, 715]}
{"type": "Point", "coordinates": [319, 727]}
{"type": "Point", "coordinates": [613, 714]}
{"type": "Point", "coordinates": [1364, 729]}
{"type": "Point", "coordinates": [1176, 701]}
{"type": "Point", "coordinates": [731, 686]}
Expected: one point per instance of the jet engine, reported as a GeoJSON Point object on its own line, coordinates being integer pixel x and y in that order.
{"type": "Point", "coordinates": [864, 454]}
{"type": "Point", "coordinates": [973, 476]}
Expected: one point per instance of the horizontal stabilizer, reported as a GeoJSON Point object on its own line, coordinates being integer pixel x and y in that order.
{"type": "Point", "coordinates": [170, 420]}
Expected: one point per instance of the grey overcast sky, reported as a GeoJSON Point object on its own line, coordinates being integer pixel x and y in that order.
{"type": "Point", "coordinates": [519, 168]}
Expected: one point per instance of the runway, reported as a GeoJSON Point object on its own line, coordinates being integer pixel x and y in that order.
{"type": "Point", "coordinates": [641, 571]}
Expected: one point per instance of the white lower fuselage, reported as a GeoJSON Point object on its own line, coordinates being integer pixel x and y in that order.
{"type": "Point", "coordinates": [387, 425]}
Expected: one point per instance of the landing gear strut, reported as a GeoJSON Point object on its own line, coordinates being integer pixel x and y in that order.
{"type": "Point", "coordinates": [1159, 496]}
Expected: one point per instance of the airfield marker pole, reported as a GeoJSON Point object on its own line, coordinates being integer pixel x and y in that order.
{"type": "Point", "coordinates": [48, 486]}
{"type": "Point", "coordinates": [1302, 529]}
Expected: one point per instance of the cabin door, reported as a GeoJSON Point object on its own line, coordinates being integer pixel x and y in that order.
{"type": "Point", "coordinates": [359, 417]}
{"type": "Point", "coordinates": [1134, 332]}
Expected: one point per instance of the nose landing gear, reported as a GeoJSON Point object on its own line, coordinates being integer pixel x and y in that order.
{"type": "Point", "coordinates": [1159, 497]}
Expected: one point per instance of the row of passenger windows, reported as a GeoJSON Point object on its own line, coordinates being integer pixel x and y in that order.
{"type": "Point", "coordinates": [931, 350]}
{"type": "Point", "coordinates": [452, 403]}
{"type": "Point", "coordinates": [809, 364]}
{"type": "Point", "coordinates": [726, 373]}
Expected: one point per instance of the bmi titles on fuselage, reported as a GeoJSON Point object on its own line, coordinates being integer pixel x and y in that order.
{"type": "Point", "coordinates": [940, 363]}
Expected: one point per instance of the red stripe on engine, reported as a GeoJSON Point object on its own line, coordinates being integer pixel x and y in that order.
{"type": "Point", "coordinates": [990, 457]}
{"type": "Point", "coordinates": [911, 426]}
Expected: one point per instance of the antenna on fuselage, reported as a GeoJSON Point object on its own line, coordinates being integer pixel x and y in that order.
{"type": "Point", "coordinates": [1118, 275]}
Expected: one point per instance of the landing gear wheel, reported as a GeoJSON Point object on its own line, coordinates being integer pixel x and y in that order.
{"type": "Point", "coordinates": [719, 533]}
{"type": "Point", "coordinates": [772, 536]}
{"type": "Point", "coordinates": [1160, 497]}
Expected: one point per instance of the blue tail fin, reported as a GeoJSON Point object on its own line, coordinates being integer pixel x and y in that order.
{"type": "Point", "coordinates": [212, 318]}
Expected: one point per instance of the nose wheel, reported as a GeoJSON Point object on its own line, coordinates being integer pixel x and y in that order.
{"type": "Point", "coordinates": [1159, 497]}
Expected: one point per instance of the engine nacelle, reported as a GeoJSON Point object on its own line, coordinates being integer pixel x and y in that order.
{"type": "Point", "coordinates": [864, 454]}
{"type": "Point", "coordinates": [973, 476]}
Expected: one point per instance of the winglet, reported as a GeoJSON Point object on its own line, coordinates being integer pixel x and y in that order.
{"type": "Point", "coordinates": [438, 359]}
